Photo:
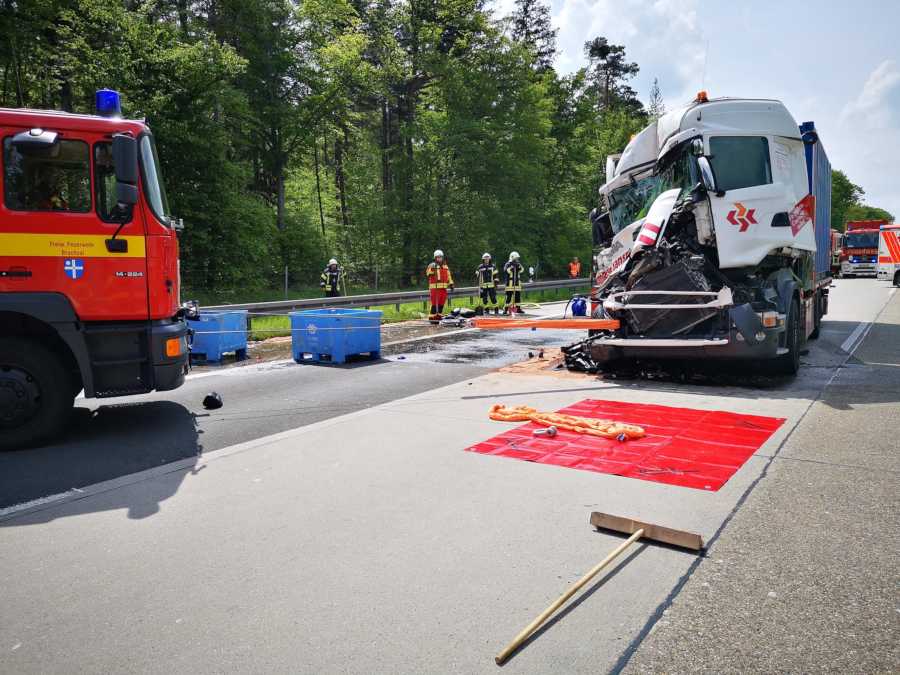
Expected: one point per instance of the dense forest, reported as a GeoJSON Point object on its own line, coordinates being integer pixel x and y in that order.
{"type": "Point", "coordinates": [374, 131]}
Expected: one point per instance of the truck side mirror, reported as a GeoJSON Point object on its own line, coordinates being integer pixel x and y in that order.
{"type": "Point", "coordinates": [708, 176]}
{"type": "Point", "coordinates": [601, 228]}
{"type": "Point", "coordinates": [125, 159]}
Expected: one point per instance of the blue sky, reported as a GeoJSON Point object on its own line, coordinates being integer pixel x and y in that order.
{"type": "Point", "coordinates": [836, 63]}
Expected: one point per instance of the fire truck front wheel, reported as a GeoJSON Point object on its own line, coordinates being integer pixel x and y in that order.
{"type": "Point", "coordinates": [34, 404]}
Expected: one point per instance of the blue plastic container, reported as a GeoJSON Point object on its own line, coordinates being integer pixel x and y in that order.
{"type": "Point", "coordinates": [216, 333]}
{"type": "Point", "coordinates": [333, 335]}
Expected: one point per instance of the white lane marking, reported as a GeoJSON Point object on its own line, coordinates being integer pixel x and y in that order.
{"type": "Point", "coordinates": [854, 336]}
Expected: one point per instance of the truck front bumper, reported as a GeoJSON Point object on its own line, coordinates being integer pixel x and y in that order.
{"type": "Point", "coordinates": [169, 363]}
{"type": "Point", "coordinates": [859, 269]}
{"type": "Point", "coordinates": [733, 346]}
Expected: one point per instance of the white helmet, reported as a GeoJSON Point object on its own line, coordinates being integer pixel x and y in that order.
{"type": "Point", "coordinates": [332, 262]}
{"type": "Point", "coordinates": [439, 254]}
{"type": "Point", "coordinates": [513, 256]}
{"type": "Point", "coordinates": [486, 256]}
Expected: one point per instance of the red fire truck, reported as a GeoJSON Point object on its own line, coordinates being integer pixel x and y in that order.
{"type": "Point", "coordinates": [859, 251]}
{"type": "Point", "coordinates": [89, 276]}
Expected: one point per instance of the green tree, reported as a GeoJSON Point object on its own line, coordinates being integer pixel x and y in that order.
{"type": "Point", "coordinates": [532, 26]}
{"type": "Point", "coordinates": [844, 194]}
{"type": "Point", "coordinates": [657, 107]}
{"type": "Point", "coordinates": [866, 212]}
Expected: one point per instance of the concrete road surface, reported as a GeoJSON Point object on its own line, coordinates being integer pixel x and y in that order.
{"type": "Point", "coordinates": [357, 536]}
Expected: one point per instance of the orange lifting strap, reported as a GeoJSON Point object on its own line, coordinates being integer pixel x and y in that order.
{"type": "Point", "coordinates": [581, 425]}
{"type": "Point", "coordinates": [579, 324]}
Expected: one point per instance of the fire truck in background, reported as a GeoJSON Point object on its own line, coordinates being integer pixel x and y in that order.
{"type": "Point", "coordinates": [889, 253]}
{"type": "Point", "coordinates": [836, 242]}
{"type": "Point", "coordinates": [89, 274]}
{"type": "Point", "coordinates": [859, 251]}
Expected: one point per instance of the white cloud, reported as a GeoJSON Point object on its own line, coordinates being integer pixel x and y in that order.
{"type": "Point", "coordinates": [868, 137]}
{"type": "Point", "coordinates": [663, 36]}
{"type": "Point", "coordinates": [872, 106]}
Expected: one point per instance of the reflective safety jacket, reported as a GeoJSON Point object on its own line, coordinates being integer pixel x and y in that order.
{"type": "Point", "coordinates": [331, 278]}
{"type": "Point", "coordinates": [487, 275]}
{"type": "Point", "coordinates": [438, 275]}
{"type": "Point", "coordinates": [513, 271]}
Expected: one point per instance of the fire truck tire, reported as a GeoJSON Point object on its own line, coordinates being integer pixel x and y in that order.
{"type": "Point", "coordinates": [34, 407]}
{"type": "Point", "coordinates": [897, 278]}
{"type": "Point", "coordinates": [789, 364]}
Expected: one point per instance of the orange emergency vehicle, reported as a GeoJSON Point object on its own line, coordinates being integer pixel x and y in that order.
{"type": "Point", "coordinates": [89, 276]}
{"type": "Point", "coordinates": [889, 253]}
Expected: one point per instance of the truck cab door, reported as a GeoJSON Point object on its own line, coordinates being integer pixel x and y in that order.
{"type": "Point", "coordinates": [758, 206]}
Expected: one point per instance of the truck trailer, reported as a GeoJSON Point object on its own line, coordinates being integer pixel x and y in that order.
{"type": "Point", "coordinates": [712, 238]}
{"type": "Point", "coordinates": [89, 275]}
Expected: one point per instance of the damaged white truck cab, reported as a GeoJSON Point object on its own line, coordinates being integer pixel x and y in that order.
{"type": "Point", "coordinates": [706, 237]}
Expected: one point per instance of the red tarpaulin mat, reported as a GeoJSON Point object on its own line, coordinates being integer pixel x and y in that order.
{"type": "Point", "coordinates": [699, 449]}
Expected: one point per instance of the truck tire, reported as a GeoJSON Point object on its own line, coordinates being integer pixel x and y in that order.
{"type": "Point", "coordinates": [35, 396]}
{"type": "Point", "coordinates": [789, 364]}
{"type": "Point", "coordinates": [817, 316]}
{"type": "Point", "coordinates": [897, 278]}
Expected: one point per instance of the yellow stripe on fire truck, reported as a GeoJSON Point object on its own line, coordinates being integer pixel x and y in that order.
{"type": "Point", "coordinates": [67, 245]}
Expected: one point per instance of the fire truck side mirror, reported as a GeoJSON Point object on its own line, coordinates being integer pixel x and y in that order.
{"type": "Point", "coordinates": [126, 162]}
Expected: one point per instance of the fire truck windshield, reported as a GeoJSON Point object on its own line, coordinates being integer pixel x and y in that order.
{"type": "Point", "coordinates": [861, 240]}
{"type": "Point", "coordinates": [154, 189]}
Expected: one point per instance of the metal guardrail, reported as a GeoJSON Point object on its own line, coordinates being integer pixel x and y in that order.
{"type": "Point", "coordinates": [383, 299]}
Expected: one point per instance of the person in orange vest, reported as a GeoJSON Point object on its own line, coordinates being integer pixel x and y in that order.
{"type": "Point", "coordinates": [439, 282]}
{"type": "Point", "coordinates": [574, 268]}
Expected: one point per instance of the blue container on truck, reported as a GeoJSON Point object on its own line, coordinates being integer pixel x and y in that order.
{"type": "Point", "coordinates": [217, 333]}
{"type": "Point", "coordinates": [333, 335]}
{"type": "Point", "coordinates": [818, 173]}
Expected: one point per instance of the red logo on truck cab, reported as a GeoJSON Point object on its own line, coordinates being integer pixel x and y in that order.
{"type": "Point", "coordinates": [741, 216]}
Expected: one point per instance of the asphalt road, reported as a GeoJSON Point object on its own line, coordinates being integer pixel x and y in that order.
{"type": "Point", "coordinates": [117, 437]}
{"type": "Point", "coordinates": [114, 438]}
{"type": "Point", "coordinates": [326, 520]}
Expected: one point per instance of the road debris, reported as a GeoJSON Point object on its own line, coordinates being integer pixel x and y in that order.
{"type": "Point", "coordinates": [212, 401]}
{"type": "Point", "coordinates": [637, 530]}
{"type": "Point", "coordinates": [581, 425]}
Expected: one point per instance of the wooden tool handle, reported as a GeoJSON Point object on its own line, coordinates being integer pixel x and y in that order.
{"type": "Point", "coordinates": [543, 616]}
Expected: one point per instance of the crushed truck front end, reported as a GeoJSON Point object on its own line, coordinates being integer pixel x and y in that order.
{"type": "Point", "coordinates": [706, 239]}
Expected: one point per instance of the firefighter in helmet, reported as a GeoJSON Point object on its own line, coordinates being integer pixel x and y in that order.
{"type": "Point", "coordinates": [488, 279]}
{"type": "Point", "coordinates": [513, 271]}
{"type": "Point", "coordinates": [439, 282]}
{"type": "Point", "coordinates": [332, 278]}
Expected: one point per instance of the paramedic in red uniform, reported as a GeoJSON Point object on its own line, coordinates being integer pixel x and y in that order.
{"type": "Point", "coordinates": [439, 281]}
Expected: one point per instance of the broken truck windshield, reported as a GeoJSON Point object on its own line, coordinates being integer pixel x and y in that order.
{"type": "Point", "coordinates": [632, 202]}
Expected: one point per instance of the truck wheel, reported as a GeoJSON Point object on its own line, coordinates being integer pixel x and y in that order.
{"type": "Point", "coordinates": [897, 278]}
{"type": "Point", "coordinates": [789, 364]}
{"type": "Point", "coordinates": [35, 399]}
{"type": "Point", "coordinates": [817, 317]}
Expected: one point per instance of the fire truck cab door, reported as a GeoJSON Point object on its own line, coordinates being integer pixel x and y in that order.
{"type": "Point", "coordinates": [57, 219]}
